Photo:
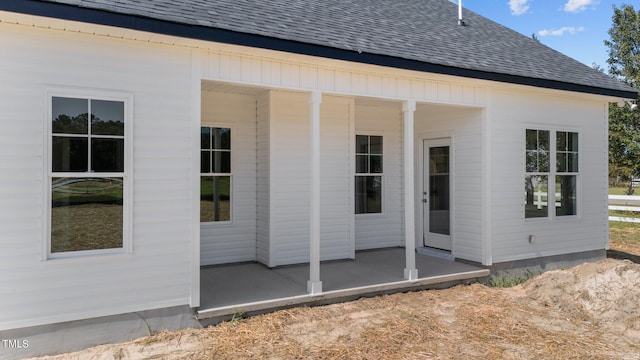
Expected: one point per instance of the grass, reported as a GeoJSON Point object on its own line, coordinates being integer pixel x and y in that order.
{"type": "Point", "coordinates": [624, 241]}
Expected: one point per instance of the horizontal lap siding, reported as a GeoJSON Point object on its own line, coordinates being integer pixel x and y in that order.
{"type": "Point", "coordinates": [511, 114]}
{"type": "Point", "coordinates": [465, 127]}
{"type": "Point", "coordinates": [335, 164]}
{"type": "Point", "coordinates": [235, 241]}
{"type": "Point", "coordinates": [386, 229]}
{"type": "Point", "coordinates": [156, 274]}
{"type": "Point", "coordinates": [289, 161]}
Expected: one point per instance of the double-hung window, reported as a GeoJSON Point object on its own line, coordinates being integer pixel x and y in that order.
{"type": "Point", "coordinates": [551, 173]}
{"type": "Point", "coordinates": [87, 174]}
{"type": "Point", "coordinates": [369, 174]}
{"type": "Point", "coordinates": [215, 174]}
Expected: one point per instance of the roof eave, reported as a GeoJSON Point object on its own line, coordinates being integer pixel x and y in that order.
{"type": "Point", "coordinates": [135, 22]}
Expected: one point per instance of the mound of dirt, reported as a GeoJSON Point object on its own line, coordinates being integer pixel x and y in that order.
{"type": "Point", "coordinates": [606, 293]}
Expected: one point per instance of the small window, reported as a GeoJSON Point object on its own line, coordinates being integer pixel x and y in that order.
{"type": "Point", "coordinates": [215, 174]}
{"type": "Point", "coordinates": [87, 178]}
{"type": "Point", "coordinates": [369, 174]}
{"type": "Point", "coordinates": [551, 173]}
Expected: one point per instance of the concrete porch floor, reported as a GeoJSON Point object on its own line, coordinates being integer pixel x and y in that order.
{"type": "Point", "coordinates": [254, 288]}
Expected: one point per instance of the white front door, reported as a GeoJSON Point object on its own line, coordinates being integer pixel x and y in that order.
{"type": "Point", "coordinates": [437, 194]}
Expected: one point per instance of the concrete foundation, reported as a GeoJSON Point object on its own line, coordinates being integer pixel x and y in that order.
{"type": "Point", "coordinates": [524, 269]}
{"type": "Point", "coordinates": [77, 335]}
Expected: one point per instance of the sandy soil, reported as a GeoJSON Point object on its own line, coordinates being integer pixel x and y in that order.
{"type": "Point", "coordinates": [590, 311]}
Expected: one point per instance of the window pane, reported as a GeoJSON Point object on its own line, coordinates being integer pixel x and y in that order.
{"type": "Point", "coordinates": [107, 155]}
{"type": "Point", "coordinates": [69, 154]}
{"type": "Point", "coordinates": [375, 144]}
{"type": "Point", "coordinates": [561, 141]}
{"type": "Point", "coordinates": [532, 139]}
{"type": "Point", "coordinates": [205, 161]}
{"type": "Point", "coordinates": [543, 140]}
{"type": "Point", "coordinates": [572, 162]}
{"type": "Point", "coordinates": [561, 162]}
{"type": "Point", "coordinates": [566, 195]}
{"type": "Point", "coordinates": [536, 193]}
{"type": "Point", "coordinates": [532, 161]}
{"type": "Point", "coordinates": [375, 164]}
{"type": "Point", "coordinates": [86, 214]}
{"type": "Point", "coordinates": [368, 197]}
{"type": "Point", "coordinates": [205, 138]}
{"type": "Point", "coordinates": [572, 141]}
{"type": "Point", "coordinates": [543, 161]}
{"type": "Point", "coordinates": [221, 162]}
{"type": "Point", "coordinates": [222, 138]}
{"type": "Point", "coordinates": [69, 116]}
{"type": "Point", "coordinates": [107, 117]}
{"type": "Point", "coordinates": [362, 164]}
{"type": "Point", "coordinates": [215, 198]}
{"type": "Point", "coordinates": [439, 160]}
{"type": "Point", "coordinates": [362, 144]}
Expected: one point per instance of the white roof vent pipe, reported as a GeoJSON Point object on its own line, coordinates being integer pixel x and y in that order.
{"type": "Point", "coordinates": [460, 21]}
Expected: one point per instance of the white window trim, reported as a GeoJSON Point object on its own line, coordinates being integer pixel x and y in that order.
{"type": "Point", "coordinates": [215, 124]}
{"type": "Point", "coordinates": [551, 215]}
{"type": "Point", "coordinates": [382, 174]}
{"type": "Point", "coordinates": [94, 94]}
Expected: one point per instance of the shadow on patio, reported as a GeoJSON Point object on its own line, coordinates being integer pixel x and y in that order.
{"type": "Point", "coordinates": [254, 288]}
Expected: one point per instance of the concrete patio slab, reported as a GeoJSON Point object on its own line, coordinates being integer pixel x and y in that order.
{"type": "Point", "coordinates": [252, 287]}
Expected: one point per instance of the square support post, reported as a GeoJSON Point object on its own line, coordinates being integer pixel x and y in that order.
{"type": "Point", "coordinates": [314, 285]}
{"type": "Point", "coordinates": [410, 271]}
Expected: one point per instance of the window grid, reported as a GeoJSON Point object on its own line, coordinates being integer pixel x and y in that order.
{"type": "Point", "coordinates": [215, 174]}
{"type": "Point", "coordinates": [369, 174]}
{"type": "Point", "coordinates": [551, 173]}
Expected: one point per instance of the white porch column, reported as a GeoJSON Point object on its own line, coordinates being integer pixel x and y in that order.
{"type": "Point", "coordinates": [314, 285]}
{"type": "Point", "coordinates": [410, 271]}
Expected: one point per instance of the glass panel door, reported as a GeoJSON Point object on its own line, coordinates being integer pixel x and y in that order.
{"type": "Point", "coordinates": [437, 194]}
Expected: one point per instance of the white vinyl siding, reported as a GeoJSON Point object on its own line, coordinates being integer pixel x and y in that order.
{"type": "Point", "coordinates": [335, 183]}
{"type": "Point", "coordinates": [464, 126]}
{"type": "Point", "coordinates": [514, 112]}
{"type": "Point", "coordinates": [290, 177]}
{"type": "Point", "coordinates": [156, 273]}
{"type": "Point", "coordinates": [385, 229]}
{"type": "Point", "coordinates": [235, 240]}
{"type": "Point", "coordinates": [283, 234]}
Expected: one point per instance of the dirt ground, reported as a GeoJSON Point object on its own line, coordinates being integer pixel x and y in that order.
{"type": "Point", "coordinates": [590, 311]}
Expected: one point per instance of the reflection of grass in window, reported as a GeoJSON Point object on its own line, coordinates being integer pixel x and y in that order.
{"type": "Point", "coordinates": [206, 210]}
{"type": "Point", "coordinates": [206, 187]}
{"type": "Point", "coordinates": [86, 214]}
{"type": "Point", "coordinates": [86, 227]}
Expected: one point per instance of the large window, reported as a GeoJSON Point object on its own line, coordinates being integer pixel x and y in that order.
{"type": "Point", "coordinates": [369, 174]}
{"type": "Point", "coordinates": [87, 174]}
{"type": "Point", "coordinates": [551, 173]}
{"type": "Point", "coordinates": [215, 174]}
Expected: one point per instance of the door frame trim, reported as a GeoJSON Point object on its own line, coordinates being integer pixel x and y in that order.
{"type": "Point", "coordinates": [419, 178]}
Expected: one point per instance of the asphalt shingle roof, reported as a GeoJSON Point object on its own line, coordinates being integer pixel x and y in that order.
{"type": "Point", "coordinates": [419, 31]}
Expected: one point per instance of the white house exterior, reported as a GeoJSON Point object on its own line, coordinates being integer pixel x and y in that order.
{"type": "Point", "coordinates": [303, 157]}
